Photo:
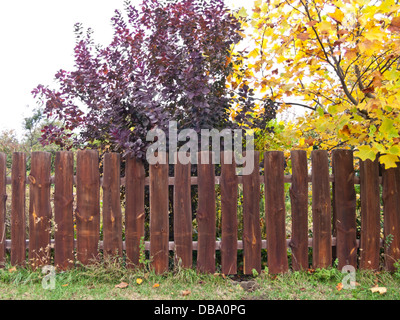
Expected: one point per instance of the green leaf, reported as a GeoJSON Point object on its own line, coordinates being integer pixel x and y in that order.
{"type": "Point", "coordinates": [388, 128]}
{"type": "Point", "coordinates": [394, 150]}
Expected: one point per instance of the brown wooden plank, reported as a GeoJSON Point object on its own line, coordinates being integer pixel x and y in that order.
{"type": "Point", "coordinates": [63, 210]}
{"type": "Point", "coordinates": [345, 207]}
{"type": "Point", "coordinates": [134, 209]}
{"type": "Point", "coordinates": [112, 214]}
{"type": "Point", "coordinates": [299, 204]}
{"type": "Point", "coordinates": [39, 209]}
{"type": "Point", "coordinates": [206, 214]}
{"type": "Point", "coordinates": [18, 220]}
{"type": "Point", "coordinates": [183, 232]}
{"type": "Point", "coordinates": [275, 212]}
{"type": "Point", "coordinates": [3, 210]}
{"type": "Point", "coordinates": [370, 215]}
{"type": "Point", "coordinates": [88, 205]}
{"type": "Point", "coordinates": [251, 219]}
{"type": "Point", "coordinates": [229, 195]}
{"type": "Point", "coordinates": [159, 215]}
{"type": "Point", "coordinates": [321, 210]}
{"type": "Point", "coordinates": [391, 213]}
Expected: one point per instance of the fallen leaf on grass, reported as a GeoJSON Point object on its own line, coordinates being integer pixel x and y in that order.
{"type": "Point", "coordinates": [186, 293]}
{"type": "Point", "coordinates": [156, 285]}
{"type": "Point", "coordinates": [13, 269]}
{"type": "Point", "coordinates": [121, 285]}
{"type": "Point", "coordinates": [381, 290]}
{"type": "Point", "coordinates": [139, 281]}
{"type": "Point", "coordinates": [65, 285]}
{"type": "Point", "coordinates": [339, 286]}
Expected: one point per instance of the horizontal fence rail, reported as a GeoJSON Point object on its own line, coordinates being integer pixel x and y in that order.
{"type": "Point", "coordinates": [71, 210]}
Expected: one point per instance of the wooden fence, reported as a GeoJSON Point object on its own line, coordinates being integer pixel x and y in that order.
{"type": "Point", "coordinates": [63, 230]}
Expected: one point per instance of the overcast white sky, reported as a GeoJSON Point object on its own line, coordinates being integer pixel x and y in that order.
{"type": "Point", "coordinates": [37, 40]}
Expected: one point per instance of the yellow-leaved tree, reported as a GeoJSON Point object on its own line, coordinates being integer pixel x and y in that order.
{"type": "Point", "coordinates": [337, 60]}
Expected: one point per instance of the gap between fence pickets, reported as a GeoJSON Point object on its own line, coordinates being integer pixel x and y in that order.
{"type": "Point", "coordinates": [193, 180]}
{"type": "Point", "coordinates": [171, 244]}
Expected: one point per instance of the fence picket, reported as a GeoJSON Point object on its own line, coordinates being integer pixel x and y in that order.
{"type": "Point", "coordinates": [391, 213]}
{"type": "Point", "coordinates": [299, 204]}
{"type": "Point", "coordinates": [251, 219]}
{"type": "Point", "coordinates": [229, 232]}
{"type": "Point", "coordinates": [88, 205]}
{"type": "Point", "coordinates": [112, 214]}
{"type": "Point", "coordinates": [159, 219]}
{"type": "Point", "coordinates": [39, 209]}
{"type": "Point", "coordinates": [321, 210]}
{"type": "Point", "coordinates": [134, 209]}
{"type": "Point", "coordinates": [3, 209]}
{"type": "Point", "coordinates": [345, 207]}
{"type": "Point", "coordinates": [275, 212]}
{"type": "Point", "coordinates": [206, 213]}
{"type": "Point", "coordinates": [183, 216]}
{"type": "Point", "coordinates": [63, 210]}
{"type": "Point", "coordinates": [370, 215]}
{"type": "Point", "coordinates": [18, 220]}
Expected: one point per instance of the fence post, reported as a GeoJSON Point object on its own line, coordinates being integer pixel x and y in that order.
{"type": "Point", "coordinates": [275, 212]}
{"type": "Point", "coordinates": [206, 213]}
{"type": "Point", "coordinates": [370, 215]}
{"type": "Point", "coordinates": [229, 194]}
{"type": "Point", "coordinates": [183, 234]}
{"type": "Point", "coordinates": [321, 210]}
{"type": "Point", "coordinates": [345, 207]}
{"type": "Point", "coordinates": [18, 220]}
{"type": "Point", "coordinates": [134, 209]}
{"type": "Point", "coordinates": [112, 214]}
{"type": "Point", "coordinates": [159, 215]}
{"type": "Point", "coordinates": [63, 210]}
{"type": "Point", "coordinates": [251, 219]}
{"type": "Point", "coordinates": [88, 205]}
{"type": "Point", "coordinates": [3, 202]}
{"type": "Point", "coordinates": [39, 209]}
{"type": "Point", "coordinates": [299, 203]}
{"type": "Point", "coordinates": [391, 213]}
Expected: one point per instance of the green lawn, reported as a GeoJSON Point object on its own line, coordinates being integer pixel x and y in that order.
{"type": "Point", "coordinates": [100, 282]}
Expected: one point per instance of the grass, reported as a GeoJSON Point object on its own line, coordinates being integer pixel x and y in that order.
{"type": "Point", "coordinates": [99, 281]}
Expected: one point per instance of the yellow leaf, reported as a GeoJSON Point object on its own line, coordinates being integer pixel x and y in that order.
{"type": "Point", "coordinates": [389, 160]}
{"type": "Point", "coordinates": [254, 53]}
{"type": "Point", "coordinates": [338, 16]}
{"type": "Point", "coordinates": [374, 34]}
{"type": "Point", "coordinates": [365, 152]}
{"type": "Point", "coordinates": [242, 12]}
{"type": "Point", "coordinates": [324, 26]}
{"type": "Point", "coordinates": [139, 281]}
